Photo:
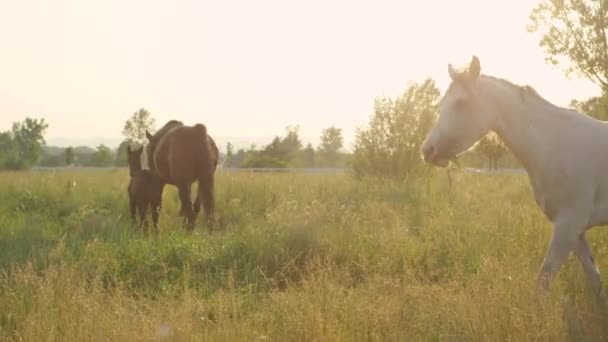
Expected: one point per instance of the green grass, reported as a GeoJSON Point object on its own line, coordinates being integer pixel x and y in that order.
{"type": "Point", "coordinates": [297, 258]}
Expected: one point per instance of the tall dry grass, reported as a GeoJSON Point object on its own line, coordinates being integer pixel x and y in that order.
{"type": "Point", "coordinates": [298, 258]}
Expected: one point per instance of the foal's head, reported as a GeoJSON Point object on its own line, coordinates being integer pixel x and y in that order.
{"type": "Point", "coordinates": [134, 157]}
{"type": "Point", "coordinates": [463, 117]}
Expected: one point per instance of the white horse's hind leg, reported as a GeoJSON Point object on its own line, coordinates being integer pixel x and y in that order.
{"type": "Point", "coordinates": [565, 236]}
{"type": "Point", "coordinates": [583, 252]}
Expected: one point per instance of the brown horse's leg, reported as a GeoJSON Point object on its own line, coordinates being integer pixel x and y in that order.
{"type": "Point", "coordinates": [206, 194]}
{"type": "Point", "coordinates": [184, 195]}
{"type": "Point", "coordinates": [182, 211]}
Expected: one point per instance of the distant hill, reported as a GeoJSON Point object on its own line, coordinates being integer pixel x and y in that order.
{"type": "Point", "coordinates": [60, 151]}
{"type": "Point", "coordinates": [83, 150]}
{"type": "Point", "coordinates": [94, 141]}
{"type": "Point", "coordinates": [57, 145]}
{"type": "Point", "coordinates": [55, 156]}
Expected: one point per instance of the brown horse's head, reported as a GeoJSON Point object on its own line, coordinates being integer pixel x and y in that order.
{"type": "Point", "coordinates": [134, 157]}
{"type": "Point", "coordinates": [154, 139]}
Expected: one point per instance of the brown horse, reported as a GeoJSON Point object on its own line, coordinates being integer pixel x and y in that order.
{"type": "Point", "coordinates": [180, 155]}
{"type": "Point", "coordinates": [145, 190]}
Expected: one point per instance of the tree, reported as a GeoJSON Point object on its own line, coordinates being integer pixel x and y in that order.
{"type": "Point", "coordinates": [390, 145]}
{"type": "Point", "coordinates": [281, 152]}
{"type": "Point", "coordinates": [102, 156]}
{"type": "Point", "coordinates": [8, 151]}
{"type": "Point", "coordinates": [135, 128]}
{"type": "Point", "coordinates": [492, 148]}
{"type": "Point", "coordinates": [331, 143]}
{"type": "Point", "coordinates": [70, 156]}
{"type": "Point", "coordinates": [574, 30]}
{"type": "Point", "coordinates": [121, 154]}
{"type": "Point", "coordinates": [22, 146]}
{"type": "Point", "coordinates": [229, 155]}
{"type": "Point", "coordinates": [595, 106]}
{"type": "Point", "coordinates": [309, 156]}
{"type": "Point", "coordinates": [29, 138]}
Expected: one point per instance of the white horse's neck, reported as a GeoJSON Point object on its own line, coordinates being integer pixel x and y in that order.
{"type": "Point", "coordinates": [520, 120]}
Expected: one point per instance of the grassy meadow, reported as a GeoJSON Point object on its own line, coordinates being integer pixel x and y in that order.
{"type": "Point", "coordinates": [299, 257]}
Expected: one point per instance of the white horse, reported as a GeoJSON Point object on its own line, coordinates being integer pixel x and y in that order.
{"type": "Point", "coordinates": [564, 152]}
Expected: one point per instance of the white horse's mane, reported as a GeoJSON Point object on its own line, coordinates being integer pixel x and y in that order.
{"type": "Point", "coordinates": [526, 92]}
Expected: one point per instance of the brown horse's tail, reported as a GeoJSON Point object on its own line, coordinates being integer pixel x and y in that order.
{"type": "Point", "coordinates": [201, 144]}
{"type": "Point", "coordinates": [206, 173]}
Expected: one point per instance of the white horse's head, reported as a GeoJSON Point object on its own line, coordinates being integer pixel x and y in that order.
{"type": "Point", "coordinates": [463, 117]}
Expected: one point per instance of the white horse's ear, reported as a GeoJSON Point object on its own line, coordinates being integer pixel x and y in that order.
{"type": "Point", "coordinates": [474, 68]}
{"type": "Point", "coordinates": [452, 72]}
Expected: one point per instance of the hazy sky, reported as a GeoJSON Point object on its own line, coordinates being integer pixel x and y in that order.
{"type": "Point", "coordinates": [249, 68]}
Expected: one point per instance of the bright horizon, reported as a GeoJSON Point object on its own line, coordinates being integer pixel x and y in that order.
{"type": "Point", "coordinates": [248, 69]}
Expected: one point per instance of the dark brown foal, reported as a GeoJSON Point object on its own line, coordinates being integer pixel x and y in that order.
{"type": "Point", "coordinates": [145, 191]}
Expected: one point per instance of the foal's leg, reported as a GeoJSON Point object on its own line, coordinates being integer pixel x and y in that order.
{"type": "Point", "coordinates": [155, 210]}
{"type": "Point", "coordinates": [583, 252]}
{"type": "Point", "coordinates": [143, 210]}
{"type": "Point", "coordinates": [565, 237]}
{"type": "Point", "coordinates": [157, 200]}
{"type": "Point", "coordinates": [133, 207]}
{"type": "Point", "coordinates": [184, 195]}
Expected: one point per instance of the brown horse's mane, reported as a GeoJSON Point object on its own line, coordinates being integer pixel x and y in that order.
{"type": "Point", "coordinates": [166, 128]}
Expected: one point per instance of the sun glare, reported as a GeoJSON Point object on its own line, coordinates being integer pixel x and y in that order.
{"type": "Point", "coordinates": [248, 69]}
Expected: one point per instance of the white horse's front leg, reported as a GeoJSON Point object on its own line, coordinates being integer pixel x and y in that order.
{"type": "Point", "coordinates": [566, 232]}
{"type": "Point", "coordinates": [583, 252]}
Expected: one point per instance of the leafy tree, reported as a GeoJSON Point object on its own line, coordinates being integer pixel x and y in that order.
{"type": "Point", "coordinates": [390, 145]}
{"type": "Point", "coordinates": [309, 156]}
{"type": "Point", "coordinates": [331, 143]}
{"type": "Point", "coordinates": [289, 145]}
{"type": "Point", "coordinates": [574, 31]}
{"type": "Point", "coordinates": [8, 151]}
{"type": "Point", "coordinates": [229, 155]}
{"type": "Point", "coordinates": [102, 156]}
{"type": "Point", "coordinates": [70, 156]}
{"type": "Point", "coordinates": [492, 148]}
{"type": "Point", "coordinates": [238, 158]}
{"type": "Point", "coordinates": [121, 154]}
{"type": "Point", "coordinates": [22, 146]}
{"type": "Point", "coordinates": [595, 106]}
{"type": "Point", "coordinates": [29, 139]}
{"type": "Point", "coordinates": [135, 128]}
{"type": "Point", "coordinates": [281, 152]}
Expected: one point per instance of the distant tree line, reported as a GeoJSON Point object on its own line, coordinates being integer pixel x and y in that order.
{"type": "Point", "coordinates": [288, 151]}
{"type": "Point", "coordinates": [387, 147]}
